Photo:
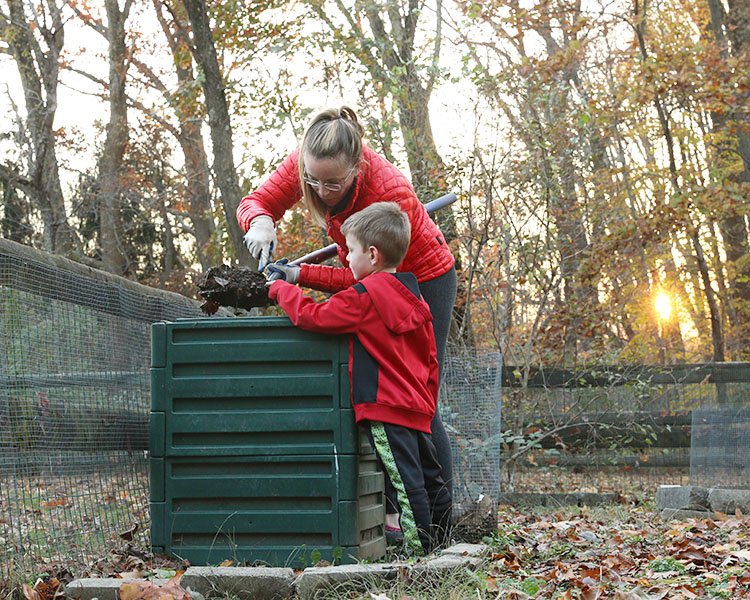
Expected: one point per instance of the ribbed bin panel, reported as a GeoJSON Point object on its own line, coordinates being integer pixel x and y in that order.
{"type": "Point", "coordinates": [254, 453]}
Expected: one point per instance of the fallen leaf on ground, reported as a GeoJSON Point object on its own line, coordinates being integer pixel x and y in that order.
{"type": "Point", "coordinates": [30, 593]}
{"type": "Point", "coordinates": [148, 590]}
{"type": "Point", "coordinates": [43, 590]}
{"type": "Point", "coordinates": [620, 595]}
{"type": "Point", "coordinates": [135, 574]}
{"type": "Point", "coordinates": [517, 595]}
{"type": "Point", "coordinates": [128, 535]}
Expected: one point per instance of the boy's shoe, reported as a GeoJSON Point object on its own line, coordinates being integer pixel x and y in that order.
{"type": "Point", "coordinates": [393, 536]}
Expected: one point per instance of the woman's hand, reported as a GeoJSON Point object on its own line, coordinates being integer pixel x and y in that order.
{"type": "Point", "coordinates": [260, 240]}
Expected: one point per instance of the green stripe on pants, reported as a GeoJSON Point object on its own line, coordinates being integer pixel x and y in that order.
{"type": "Point", "coordinates": [408, 525]}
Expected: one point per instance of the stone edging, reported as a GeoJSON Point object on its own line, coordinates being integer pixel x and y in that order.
{"type": "Point", "coordinates": [696, 502]}
{"type": "Point", "coordinates": [278, 583]}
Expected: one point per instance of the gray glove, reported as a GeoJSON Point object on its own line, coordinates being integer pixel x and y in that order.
{"type": "Point", "coordinates": [281, 270]}
{"type": "Point", "coordinates": [260, 240]}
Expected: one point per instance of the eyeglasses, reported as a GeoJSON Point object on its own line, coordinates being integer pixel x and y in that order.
{"type": "Point", "coordinates": [331, 187]}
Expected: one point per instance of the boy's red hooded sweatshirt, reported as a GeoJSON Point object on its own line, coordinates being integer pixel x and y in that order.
{"type": "Point", "coordinates": [392, 358]}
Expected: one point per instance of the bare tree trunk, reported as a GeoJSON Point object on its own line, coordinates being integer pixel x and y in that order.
{"type": "Point", "coordinates": [170, 252]}
{"type": "Point", "coordinates": [425, 163]}
{"type": "Point", "coordinates": [189, 133]}
{"type": "Point", "coordinates": [15, 215]}
{"type": "Point", "coordinates": [39, 70]}
{"type": "Point", "coordinates": [113, 253]}
{"type": "Point", "coordinates": [732, 35]}
{"type": "Point", "coordinates": [580, 289]}
{"type": "Point", "coordinates": [739, 30]}
{"type": "Point", "coordinates": [393, 66]}
{"type": "Point", "coordinates": [219, 122]}
{"type": "Point", "coordinates": [578, 295]}
{"type": "Point", "coordinates": [198, 190]}
{"type": "Point", "coordinates": [429, 175]}
{"type": "Point", "coordinates": [398, 72]}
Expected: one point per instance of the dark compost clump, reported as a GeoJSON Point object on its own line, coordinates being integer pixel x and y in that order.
{"type": "Point", "coordinates": [236, 287]}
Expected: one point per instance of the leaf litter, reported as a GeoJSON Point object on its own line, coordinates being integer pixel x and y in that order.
{"type": "Point", "coordinates": [622, 551]}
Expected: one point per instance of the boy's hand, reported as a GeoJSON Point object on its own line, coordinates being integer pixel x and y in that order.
{"type": "Point", "coordinates": [281, 270]}
{"type": "Point", "coordinates": [273, 290]}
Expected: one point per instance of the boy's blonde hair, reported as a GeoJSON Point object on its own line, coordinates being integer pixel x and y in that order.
{"type": "Point", "coordinates": [383, 225]}
{"type": "Point", "coordinates": [333, 133]}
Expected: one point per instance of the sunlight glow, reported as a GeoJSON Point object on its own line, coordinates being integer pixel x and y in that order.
{"type": "Point", "coordinates": [663, 306]}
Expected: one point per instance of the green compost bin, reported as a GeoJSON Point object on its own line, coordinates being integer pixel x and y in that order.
{"type": "Point", "coordinates": [255, 456]}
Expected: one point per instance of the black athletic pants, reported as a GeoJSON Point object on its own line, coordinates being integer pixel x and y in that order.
{"type": "Point", "coordinates": [413, 483]}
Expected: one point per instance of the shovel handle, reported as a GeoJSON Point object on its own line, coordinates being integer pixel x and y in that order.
{"type": "Point", "coordinates": [318, 256]}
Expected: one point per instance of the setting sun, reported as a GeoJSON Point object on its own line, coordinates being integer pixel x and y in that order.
{"type": "Point", "coordinates": [663, 306]}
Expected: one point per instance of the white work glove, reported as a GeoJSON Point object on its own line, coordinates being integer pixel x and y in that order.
{"type": "Point", "coordinates": [260, 240]}
{"type": "Point", "coordinates": [281, 270]}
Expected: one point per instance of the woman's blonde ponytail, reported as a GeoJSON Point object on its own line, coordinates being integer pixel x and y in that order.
{"type": "Point", "coordinates": [334, 133]}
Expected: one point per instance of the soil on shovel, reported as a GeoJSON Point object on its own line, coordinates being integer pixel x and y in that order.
{"type": "Point", "coordinates": [238, 287]}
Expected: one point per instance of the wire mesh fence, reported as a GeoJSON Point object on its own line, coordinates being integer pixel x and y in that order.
{"type": "Point", "coordinates": [624, 430]}
{"type": "Point", "coordinates": [720, 449]}
{"type": "Point", "coordinates": [75, 399]}
{"type": "Point", "coordinates": [470, 407]}
{"type": "Point", "coordinates": [74, 403]}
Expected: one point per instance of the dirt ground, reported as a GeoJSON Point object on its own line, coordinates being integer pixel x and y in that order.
{"type": "Point", "coordinates": [623, 550]}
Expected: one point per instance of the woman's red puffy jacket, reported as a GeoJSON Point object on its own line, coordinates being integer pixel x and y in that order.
{"type": "Point", "coordinates": [378, 180]}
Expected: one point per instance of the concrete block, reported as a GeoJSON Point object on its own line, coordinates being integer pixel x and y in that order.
{"type": "Point", "coordinates": [728, 500]}
{"type": "Point", "coordinates": [674, 514]}
{"type": "Point", "coordinates": [673, 496]}
{"type": "Point", "coordinates": [468, 550]}
{"type": "Point", "coordinates": [698, 499]}
{"type": "Point", "coordinates": [318, 580]}
{"type": "Point", "coordinates": [444, 565]}
{"type": "Point", "coordinates": [103, 589]}
{"type": "Point", "coordinates": [684, 497]}
{"type": "Point", "coordinates": [87, 589]}
{"type": "Point", "coordinates": [256, 583]}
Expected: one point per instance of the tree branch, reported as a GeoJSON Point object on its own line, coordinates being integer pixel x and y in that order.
{"type": "Point", "coordinates": [358, 38]}
{"type": "Point", "coordinates": [93, 22]}
{"type": "Point", "coordinates": [397, 28]}
{"type": "Point", "coordinates": [88, 75]}
{"type": "Point", "coordinates": [153, 115]}
{"type": "Point", "coordinates": [164, 24]}
{"type": "Point", "coordinates": [133, 102]}
{"type": "Point", "coordinates": [152, 77]}
{"type": "Point", "coordinates": [12, 177]}
{"type": "Point", "coordinates": [390, 56]}
{"type": "Point", "coordinates": [430, 83]}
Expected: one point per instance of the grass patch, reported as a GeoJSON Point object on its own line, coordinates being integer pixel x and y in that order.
{"type": "Point", "coordinates": [456, 584]}
{"type": "Point", "coordinates": [663, 565]}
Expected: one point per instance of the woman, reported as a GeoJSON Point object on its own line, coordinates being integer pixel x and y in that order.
{"type": "Point", "coordinates": [337, 174]}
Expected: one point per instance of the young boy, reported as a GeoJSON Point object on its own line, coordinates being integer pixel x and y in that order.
{"type": "Point", "coordinates": [392, 365]}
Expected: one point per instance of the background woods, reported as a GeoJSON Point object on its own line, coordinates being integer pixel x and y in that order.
{"type": "Point", "coordinates": [600, 150]}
